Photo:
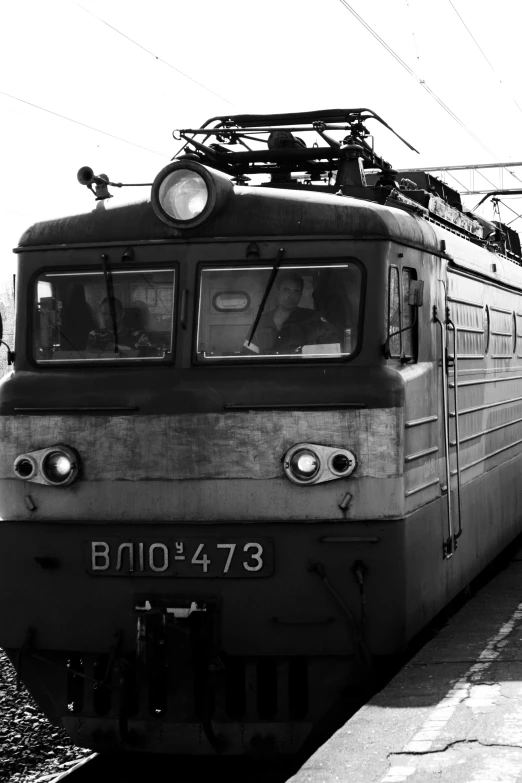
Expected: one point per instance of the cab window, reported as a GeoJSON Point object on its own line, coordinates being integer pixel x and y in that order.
{"type": "Point", "coordinates": [78, 317]}
{"type": "Point", "coordinates": [308, 312]}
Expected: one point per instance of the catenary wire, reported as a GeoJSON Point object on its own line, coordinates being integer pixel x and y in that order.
{"type": "Point", "coordinates": [83, 124]}
{"type": "Point", "coordinates": [482, 52]}
{"type": "Point", "coordinates": [417, 78]}
{"type": "Point", "coordinates": [413, 33]}
{"type": "Point", "coordinates": [156, 57]}
{"type": "Point", "coordinates": [472, 36]}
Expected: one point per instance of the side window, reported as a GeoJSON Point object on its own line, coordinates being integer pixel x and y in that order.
{"type": "Point", "coordinates": [394, 312]}
{"type": "Point", "coordinates": [408, 336]}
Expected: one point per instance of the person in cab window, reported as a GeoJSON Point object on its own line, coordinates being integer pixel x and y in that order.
{"type": "Point", "coordinates": [130, 342]}
{"type": "Point", "coordinates": [77, 320]}
{"type": "Point", "coordinates": [288, 327]}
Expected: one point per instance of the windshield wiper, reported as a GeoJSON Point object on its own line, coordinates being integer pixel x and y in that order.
{"type": "Point", "coordinates": [107, 274]}
{"type": "Point", "coordinates": [248, 342]}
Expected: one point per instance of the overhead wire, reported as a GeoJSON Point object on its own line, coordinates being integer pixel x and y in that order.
{"type": "Point", "coordinates": [483, 53]}
{"type": "Point", "coordinates": [413, 33]}
{"type": "Point", "coordinates": [83, 124]}
{"type": "Point", "coordinates": [492, 68]}
{"type": "Point", "coordinates": [156, 57]}
{"type": "Point", "coordinates": [422, 82]}
{"type": "Point", "coordinates": [472, 36]}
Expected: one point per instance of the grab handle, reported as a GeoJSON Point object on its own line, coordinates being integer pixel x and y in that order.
{"type": "Point", "coordinates": [448, 544]}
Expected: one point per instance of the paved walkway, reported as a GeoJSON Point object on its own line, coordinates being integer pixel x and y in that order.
{"type": "Point", "coordinates": [454, 713]}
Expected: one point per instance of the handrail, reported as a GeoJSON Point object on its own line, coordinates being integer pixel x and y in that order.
{"type": "Point", "coordinates": [448, 544]}
{"type": "Point", "coordinates": [450, 323]}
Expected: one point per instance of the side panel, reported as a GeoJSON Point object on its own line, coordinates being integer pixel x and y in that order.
{"type": "Point", "coordinates": [488, 401]}
{"type": "Point", "coordinates": [489, 382]}
{"type": "Point", "coordinates": [491, 519]}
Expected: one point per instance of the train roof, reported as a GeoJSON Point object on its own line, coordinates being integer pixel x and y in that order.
{"type": "Point", "coordinates": [253, 212]}
{"type": "Point", "coordinates": [264, 213]}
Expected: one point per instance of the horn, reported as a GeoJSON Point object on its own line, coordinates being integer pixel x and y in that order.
{"type": "Point", "coordinates": [85, 175]}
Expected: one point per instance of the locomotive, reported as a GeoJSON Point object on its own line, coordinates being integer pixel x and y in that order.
{"type": "Point", "coordinates": [261, 427]}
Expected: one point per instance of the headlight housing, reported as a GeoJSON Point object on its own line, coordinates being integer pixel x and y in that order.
{"type": "Point", "coordinates": [56, 466]}
{"type": "Point", "coordinates": [310, 463]}
{"type": "Point", "coordinates": [186, 193]}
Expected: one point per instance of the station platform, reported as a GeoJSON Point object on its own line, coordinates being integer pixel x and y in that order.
{"type": "Point", "coordinates": [453, 713]}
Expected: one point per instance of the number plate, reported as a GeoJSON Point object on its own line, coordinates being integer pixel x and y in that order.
{"type": "Point", "coordinates": [181, 557]}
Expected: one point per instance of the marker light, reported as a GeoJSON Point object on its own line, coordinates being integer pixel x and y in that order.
{"type": "Point", "coordinates": [186, 193]}
{"type": "Point", "coordinates": [341, 463]}
{"type": "Point", "coordinates": [25, 467]}
{"type": "Point", "coordinates": [56, 466]}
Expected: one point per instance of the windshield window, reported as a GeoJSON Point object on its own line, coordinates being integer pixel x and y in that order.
{"type": "Point", "coordinates": [310, 312]}
{"type": "Point", "coordinates": [74, 319]}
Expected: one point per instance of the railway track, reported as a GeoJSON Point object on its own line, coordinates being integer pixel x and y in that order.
{"type": "Point", "coordinates": [83, 770]}
{"type": "Point", "coordinates": [138, 767]}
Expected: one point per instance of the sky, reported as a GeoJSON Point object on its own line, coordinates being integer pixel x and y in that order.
{"type": "Point", "coordinates": [135, 71]}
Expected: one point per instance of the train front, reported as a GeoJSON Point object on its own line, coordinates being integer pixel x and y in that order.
{"type": "Point", "coordinates": [200, 462]}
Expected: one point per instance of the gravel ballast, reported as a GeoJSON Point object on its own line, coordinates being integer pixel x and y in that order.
{"type": "Point", "coordinates": [31, 749]}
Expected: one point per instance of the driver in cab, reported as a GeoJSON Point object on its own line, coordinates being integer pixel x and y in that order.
{"type": "Point", "coordinates": [288, 327]}
{"type": "Point", "coordinates": [129, 342]}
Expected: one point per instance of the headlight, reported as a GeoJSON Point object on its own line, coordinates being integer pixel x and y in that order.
{"type": "Point", "coordinates": [186, 193]}
{"type": "Point", "coordinates": [304, 464]}
{"type": "Point", "coordinates": [56, 466]}
{"type": "Point", "coordinates": [183, 194]}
